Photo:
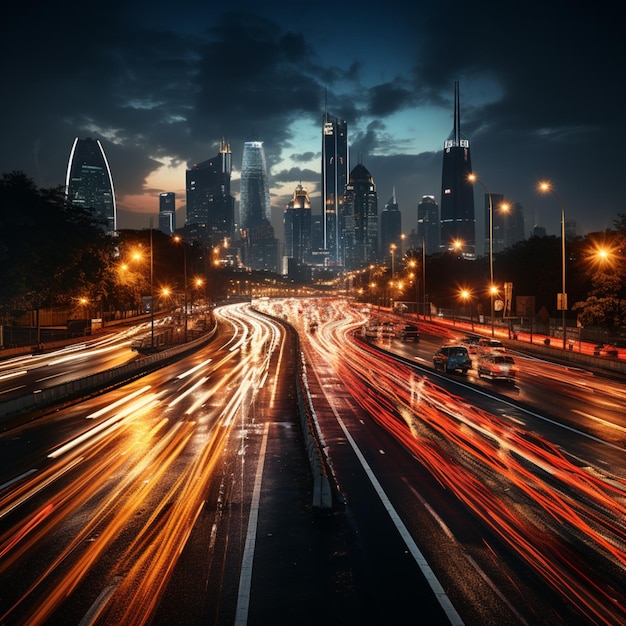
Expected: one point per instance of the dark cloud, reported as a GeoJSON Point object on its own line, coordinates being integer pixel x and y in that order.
{"type": "Point", "coordinates": [540, 92]}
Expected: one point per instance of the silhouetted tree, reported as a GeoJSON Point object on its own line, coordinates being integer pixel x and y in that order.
{"type": "Point", "coordinates": [50, 250]}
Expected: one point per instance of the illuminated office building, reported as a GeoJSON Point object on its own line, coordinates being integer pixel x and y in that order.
{"type": "Point", "coordinates": [428, 224]}
{"type": "Point", "coordinates": [89, 184]}
{"type": "Point", "coordinates": [334, 180]}
{"type": "Point", "coordinates": [210, 205]}
{"type": "Point", "coordinates": [457, 193]}
{"type": "Point", "coordinates": [390, 228]}
{"type": "Point", "coordinates": [359, 220]}
{"type": "Point", "coordinates": [167, 212]}
{"type": "Point", "coordinates": [259, 245]}
{"type": "Point", "coordinates": [297, 224]}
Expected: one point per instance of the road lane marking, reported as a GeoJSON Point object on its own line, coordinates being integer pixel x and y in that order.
{"type": "Point", "coordinates": [245, 578]}
{"type": "Point", "coordinates": [470, 560]}
{"type": "Point", "coordinates": [599, 419]}
{"type": "Point", "coordinates": [422, 563]}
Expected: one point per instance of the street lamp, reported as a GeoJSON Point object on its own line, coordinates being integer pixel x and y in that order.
{"type": "Point", "coordinates": [474, 179]}
{"type": "Point", "coordinates": [414, 276]}
{"type": "Point", "coordinates": [392, 248]}
{"type": "Point", "coordinates": [179, 239]}
{"type": "Point", "coordinates": [466, 296]}
{"type": "Point", "coordinates": [562, 297]}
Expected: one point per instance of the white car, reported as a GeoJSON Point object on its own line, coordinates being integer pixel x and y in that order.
{"type": "Point", "coordinates": [490, 346]}
{"type": "Point", "coordinates": [497, 367]}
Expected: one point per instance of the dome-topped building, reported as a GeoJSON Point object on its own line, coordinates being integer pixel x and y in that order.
{"type": "Point", "coordinates": [360, 219]}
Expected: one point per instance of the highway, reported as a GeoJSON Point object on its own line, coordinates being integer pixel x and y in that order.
{"type": "Point", "coordinates": [30, 373]}
{"type": "Point", "coordinates": [457, 500]}
{"type": "Point", "coordinates": [531, 477]}
{"type": "Point", "coordinates": [98, 500]}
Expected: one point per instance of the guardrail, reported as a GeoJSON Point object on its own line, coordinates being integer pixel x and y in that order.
{"type": "Point", "coordinates": [97, 382]}
{"type": "Point", "coordinates": [314, 442]}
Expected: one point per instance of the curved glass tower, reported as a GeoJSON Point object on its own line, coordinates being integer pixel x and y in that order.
{"type": "Point", "coordinates": [255, 190]}
{"type": "Point", "coordinates": [89, 184]}
{"type": "Point", "coordinates": [259, 245]}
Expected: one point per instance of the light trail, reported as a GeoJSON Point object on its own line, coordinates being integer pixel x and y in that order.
{"type": "Point", "coordinates": [194, 369]}
{"type": "Point", "coordinates": [144, 471]}
{"type": "Point", "coordinates": [464, 447]}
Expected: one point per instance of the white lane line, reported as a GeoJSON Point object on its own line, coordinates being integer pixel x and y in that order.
{"type": "Point", "coordinates": [600, 420]}
{"type": "Point", "coordinates": [433, 581]}
{"type": "Point", "coordinates": [245, 578]}
{"type": "Point", "coordinates": [471, 561]}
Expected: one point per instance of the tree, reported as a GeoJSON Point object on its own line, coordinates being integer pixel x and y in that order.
{"type": "Point", "coordinates": [50, 251]}
{"type": "Point", "coordinates": [603, 307]}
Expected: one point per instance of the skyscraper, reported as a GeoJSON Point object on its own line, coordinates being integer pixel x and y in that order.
{"type": "Point", "coordinates": [390, 226]}
{"type": "Point", "coordinates": [334, 180]}
{"type": "Point", "coordinates": [259, 245]}
{"type": "Point", "coordinates": [167, 212]}
{"type": "Point", "coordinates": [297, 223]}
{"type": "Point", "coordinates": [210, 205]}
{"type": "Point", "coordinates": [255, 190]}
{"type": "Point", "coordinates": [88, 182]}
{"type": "Point", "coordinates": [428, 224]}
{"type": "Point", "coordinates": [359, 220]}
{"type": "Point", "coordinates": [457, 193]}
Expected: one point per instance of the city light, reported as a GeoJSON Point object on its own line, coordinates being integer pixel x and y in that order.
{"type": "Point", "coordinates": [545, 187]}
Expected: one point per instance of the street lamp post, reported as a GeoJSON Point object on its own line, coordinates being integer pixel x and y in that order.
{"type": "Point", "coordinates": [424, 274]}
{"type": "Point", "coordinates": [151, 288]}
{"type": "Point", "coordinates": [474, 179]}
{"type": "Point", "coordinates": [562, 297]}
{"type": "Point", "coordinates": [392, 248]}
{"type": "Point", "coordinates": [179, 239]}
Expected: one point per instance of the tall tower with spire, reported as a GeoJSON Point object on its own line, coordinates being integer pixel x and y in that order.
{"type": "Point", "coordinates": [458, 221]}
{"type": "Point", "coordinates": [390, 227]}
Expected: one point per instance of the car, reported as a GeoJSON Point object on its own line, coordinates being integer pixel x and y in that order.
{"type": "Point", "coordinates": [370, 332]}
{"type": "Point", "coordinates": [386, 329]}
{"type": "Point", "coordinates": [410, 332]}
{"type": "Point", "coordinates": [497, 367]}
{"type": "Point", "coordinates": [488, 346]}
{"type": "Point", "coordinates": [452, 359]}
{"type": "Point", "coordinates": [471, 343]}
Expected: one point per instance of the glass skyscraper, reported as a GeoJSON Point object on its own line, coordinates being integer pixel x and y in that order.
{"type": "Point", "coordinates": [297, 223]}
{"type": "Point", "coordinates": [457, 193]}
{"type": "Point", "coordinates": [259, 245]}
{"type": "Point", "coordinates": [255, 190]}
{"type": "Point", "coordinates": [334, 181]}
{"type": "Point", "coordinates": [167, 212]}
{"type": "Point", "coordinates": [390, 227]}
{"type": "Point", "coordinates": [428, 224]}
{"type": "Point", "coordinates": [88, 182]}
{"type": "Point", "coordinates": [359, 223]}
{"type": "Point", "coordinates": [210, 205]}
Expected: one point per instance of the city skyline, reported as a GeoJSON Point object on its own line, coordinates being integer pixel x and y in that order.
{"type": "Point", "coordinates": [162, 87]}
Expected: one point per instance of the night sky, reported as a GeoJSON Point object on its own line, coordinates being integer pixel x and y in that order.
{"type": "Point", "coordinates": [541, 87]}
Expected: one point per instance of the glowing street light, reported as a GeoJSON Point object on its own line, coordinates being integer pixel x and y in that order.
{"type": "Point", "coordinates": [474, 179]}
{"type": "Point", "coordinates": [179, 239]}
{"type": "Point", "coordinates": [466, 296]}
{"type": "Point", "coordinates": [562, 297]}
